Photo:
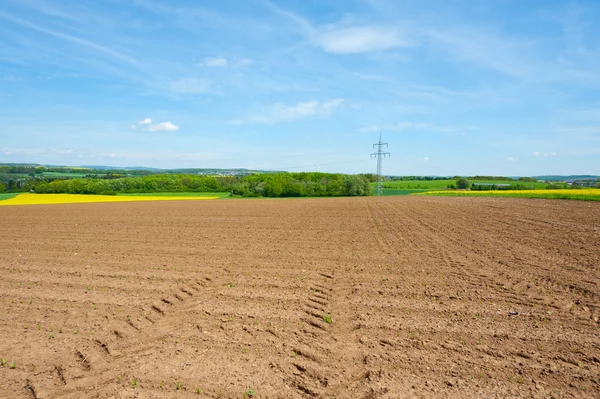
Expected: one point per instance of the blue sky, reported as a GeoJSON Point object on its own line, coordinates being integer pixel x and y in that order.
{"type": "Point", "coordinates": [503, 87]}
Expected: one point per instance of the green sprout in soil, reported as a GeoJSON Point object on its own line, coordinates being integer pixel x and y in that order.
{"type": "Point", "coordinates": [3, 361]}
{"type": "Point", "coordinates": [178, 386]}
{"type": "Point", "coordinates": [134, 383]}
{"type": "Point", "coordinates": [327, 318]}
{"type": "Point", "coordinates": [12, 365]}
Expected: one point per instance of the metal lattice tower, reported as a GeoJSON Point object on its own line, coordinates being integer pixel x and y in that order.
{"type": "Point", "coordinates": [380, 154]}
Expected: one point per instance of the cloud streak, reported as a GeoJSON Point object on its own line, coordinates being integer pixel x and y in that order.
{"type": "Point", "coordinates": [344, 37]}
{"type": "Point", "coordinates": [89, 44]}
{"type": "Point", "coordinates": [287, 113]}
{"type": "Point", "coordinates": [360, 39]}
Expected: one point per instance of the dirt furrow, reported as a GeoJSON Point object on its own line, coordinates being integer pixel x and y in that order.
{"type": "Point", "coordinates": [351, 297]}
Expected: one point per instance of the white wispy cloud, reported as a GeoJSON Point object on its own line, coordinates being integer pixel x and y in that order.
{"type": "Point", "coordinates": [285, 113]}
{"type": "Point", "coordinates": [330, 106]}
{"type": "Point", "coordinates": [346, 37]}
{"type": "Point", "coordinates": [215, 62]}
{"type": "Point", "coordinates": [163, 127]}
{"type": "Point", "coordinates": [511, 159]}
{"type": "Point", "coordinates": [485, 48]}
{"type": "Point", "coordinates": [221, 62]}
{"type": "Point", "coordinates": [370, 128]}
{"type": "Point", "coordinates": [396, 127]}
{"type": "Point", "coordinates": [402, 126]}
{"type": "Point", "coordinates": [147, 125]}
{"type": "Point", "coordinates": [360, 39]}
{"type": "Point", "coordinates": [191, 86]}
{"type": "Point", "coordinates": [545, 155]}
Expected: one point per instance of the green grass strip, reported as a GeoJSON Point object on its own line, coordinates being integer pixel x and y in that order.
{"type": "Point", "coordinates": [581, 195]}
{"type": "Point", "coordinates": [388, 191]}
{"type": "Point", "coordinates": [7, 196]}
{"type": "Point", "coordinates": [186, 194]}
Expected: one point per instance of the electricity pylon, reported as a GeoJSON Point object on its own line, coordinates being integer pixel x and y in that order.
{"type": "Point", "coordinates": [380, 154]}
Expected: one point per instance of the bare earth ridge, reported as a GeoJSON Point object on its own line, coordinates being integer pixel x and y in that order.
{"type": "Point", "coordinates": [390, 297]}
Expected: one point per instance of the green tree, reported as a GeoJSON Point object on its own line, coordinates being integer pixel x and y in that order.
{"type": "Point", "coordinates": [274, 188]}
{"type": "Point", "coordinates": [462, 183]}
{"type": "Point", "coordinates": [2, 187]}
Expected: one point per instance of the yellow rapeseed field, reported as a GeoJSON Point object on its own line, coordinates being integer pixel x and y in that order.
{"type": "Point", "coordinates": [43, 199]}
{"type": "Point", "coordinates": [590, 194]}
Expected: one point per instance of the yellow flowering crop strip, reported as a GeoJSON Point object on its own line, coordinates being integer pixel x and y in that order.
{"type": "Point", "coordinates": [587, 194]}
{"type": "Point", "coordinates": [45, 199]}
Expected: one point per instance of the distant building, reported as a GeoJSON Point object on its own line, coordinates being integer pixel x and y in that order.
{"type": "Point", "coordinates": [491, 184]}
{"type": "Point", "coordinates": [582, 183]}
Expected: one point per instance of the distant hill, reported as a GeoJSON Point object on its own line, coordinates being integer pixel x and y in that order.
{"type": "Point", "coordinates": [104, 167]}
{"type": "Point", "coordinates": [207, 171]}
{"type": "Point", "coordinates": [29, 165]}
{"type": "Point", "coordinates": [229, 171]}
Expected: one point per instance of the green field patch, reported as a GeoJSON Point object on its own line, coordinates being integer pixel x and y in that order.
{"type": "Point", "coordinates": [416, 184]}
{"type": "Point", "coordinates": [63, 174]}
{"type": "Point", "coordinates": [185, 194]}
{"type": "Point", "coordinates": [443, 184]}
{"type": "Point", "coordinates": [388, 192]}
{"type": "Point", "coordinates": [8, 196]}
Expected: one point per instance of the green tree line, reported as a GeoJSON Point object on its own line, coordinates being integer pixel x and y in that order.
{"type": "Point", "coordinates": [258, 185]}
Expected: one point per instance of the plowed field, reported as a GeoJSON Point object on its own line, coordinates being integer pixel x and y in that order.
{"type": "Point", "coordinates": [390, 297]}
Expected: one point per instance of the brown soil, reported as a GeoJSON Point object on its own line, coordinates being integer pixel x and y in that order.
{"type": "Point", "coordinates": [428, 297]}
